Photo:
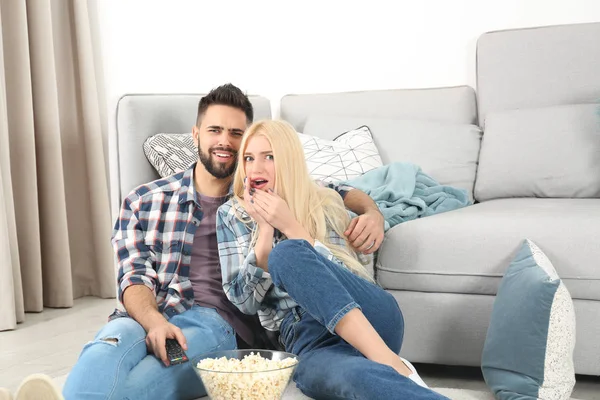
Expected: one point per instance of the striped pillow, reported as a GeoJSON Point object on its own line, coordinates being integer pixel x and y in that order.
{"type": "Point", "coordinates": [170, 153]}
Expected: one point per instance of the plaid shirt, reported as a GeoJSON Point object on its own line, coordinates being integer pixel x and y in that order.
{"type": "Point", "coordinates": [153, 238]}
{"type": "Point", "coordinates": [248, 286]}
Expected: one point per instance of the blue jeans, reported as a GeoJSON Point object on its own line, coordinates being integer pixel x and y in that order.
{"type": "Point", "coordinates": [116, 364]}
{"type": "Point", "coordinates": [329, 367]}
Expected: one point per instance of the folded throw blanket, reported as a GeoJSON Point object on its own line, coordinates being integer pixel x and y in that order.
{"type": "Point", "coordinates": [403, 192]}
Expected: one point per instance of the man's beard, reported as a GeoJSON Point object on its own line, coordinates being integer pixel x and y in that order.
{"type": "Point", "coordinates": [217, 169]}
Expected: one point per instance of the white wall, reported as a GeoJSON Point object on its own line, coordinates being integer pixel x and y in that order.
{"type": "Point", "coordinates": [277, 47]}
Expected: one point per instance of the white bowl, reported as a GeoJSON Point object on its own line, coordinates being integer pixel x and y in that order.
{"type": "Point", "coordinates": [252, 383]}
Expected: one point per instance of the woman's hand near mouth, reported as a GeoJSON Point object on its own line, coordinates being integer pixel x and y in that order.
{"type": "Point", "coordinates": [264, 244]}
{"type": "Point", "coordinates": [275, 211]}
{"type": "Point", "coordinates": [250, 206]}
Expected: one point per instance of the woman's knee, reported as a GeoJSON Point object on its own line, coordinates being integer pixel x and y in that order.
{"type": "Point", "coordinates": [285, 255]}
{"type": "Point", "coordinates": [286, 249]}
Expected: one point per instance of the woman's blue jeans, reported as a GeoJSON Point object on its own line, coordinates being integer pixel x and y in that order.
{"type": "Point", "coordinates": [116, 364]}
{"type": "Point", "coordinates": [331, 368]}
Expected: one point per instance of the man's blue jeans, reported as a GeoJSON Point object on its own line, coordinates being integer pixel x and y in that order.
{"type": "Point", "coordinates": [329, 367]}
{"type": "Point", "coordinates": [116, 364]}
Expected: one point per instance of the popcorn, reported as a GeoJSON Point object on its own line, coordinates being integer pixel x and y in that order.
{"type": "Point", "coordinates": [252, 378]}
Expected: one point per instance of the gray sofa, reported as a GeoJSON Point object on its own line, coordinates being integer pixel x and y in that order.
{"type": "Point", "coordinates": [526, 147]}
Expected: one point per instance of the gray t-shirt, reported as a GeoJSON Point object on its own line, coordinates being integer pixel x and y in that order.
{"type": "Point", "coordinates": [205, 275]}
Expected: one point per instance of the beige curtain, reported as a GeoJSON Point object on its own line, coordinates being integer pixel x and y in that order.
{"type": "Point", "coordinates": [54, 204]}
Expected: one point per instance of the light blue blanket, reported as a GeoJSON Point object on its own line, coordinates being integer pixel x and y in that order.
{"type": "Point", "coordinates": [403, 192]}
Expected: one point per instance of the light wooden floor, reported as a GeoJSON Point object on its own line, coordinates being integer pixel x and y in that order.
{"type": "Point", "coordinates": [50, 343]}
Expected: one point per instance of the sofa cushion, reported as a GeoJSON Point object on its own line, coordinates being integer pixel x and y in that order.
{"type": "Point", "coordinates": [537, 67]}
{"type": "Point", "coordinates": [170, 153]}
{"type": "Point", "coordinates": [456, 104]}
{"type": "Point", "coordinates": [543, 152]}
{"type": "Point", "coordinates": [528, 351]}
{"type": "Point", "coordinates": [350, 155]}
{"type": "Point", "coordinates": [447, 152]}
{"type": "Point", "coordinates": [467, 250]}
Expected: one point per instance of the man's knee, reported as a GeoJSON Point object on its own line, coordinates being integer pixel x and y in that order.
{"type": "Point", "coordinates": [104, 343]}
{"type": "Point", "coordinates": [114, 340]}
{"type": "Point", "coordinates": [117, 331]}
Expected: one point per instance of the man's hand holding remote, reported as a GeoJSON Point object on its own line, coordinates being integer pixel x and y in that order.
{"type": "Point", "coordinates": [157, 336]}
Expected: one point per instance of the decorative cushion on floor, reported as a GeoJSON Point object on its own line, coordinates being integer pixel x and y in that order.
{"type": "Point", "coordinates": [348, 156]}
{"type": "Point", "coordinates": [170, 153]}
{"type": "Point", "coordinates": [528, 352]}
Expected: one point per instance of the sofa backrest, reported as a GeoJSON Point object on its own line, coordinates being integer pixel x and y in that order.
{"type": "Point", "coordinates": [538, 92]}
{"type": "Point", "coordinates": [447, 104]}
{"type": "Point", "coordinates": [140, 116]}
{"type": "Point", "coordinates": [538, 67]}
{"type": "Point", "coordinates": [433, 128]}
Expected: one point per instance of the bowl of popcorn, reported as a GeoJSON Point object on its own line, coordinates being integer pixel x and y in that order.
{"type": "Point", "coordinates": [245, 374]}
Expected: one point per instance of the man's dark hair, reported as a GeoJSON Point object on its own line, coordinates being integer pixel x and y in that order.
{"type": "Point", "coordinates": [226, 95]}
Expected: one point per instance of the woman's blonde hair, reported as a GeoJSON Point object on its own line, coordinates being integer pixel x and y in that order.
{"type": "Point", "coordinates": [316, 208]}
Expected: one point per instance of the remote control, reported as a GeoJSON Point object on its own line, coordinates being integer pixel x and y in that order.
{"type": "Point", "coordinates": [175, 353]}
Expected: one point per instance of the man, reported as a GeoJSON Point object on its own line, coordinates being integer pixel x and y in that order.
{"type": "Point", "coordinates": [169, 273]}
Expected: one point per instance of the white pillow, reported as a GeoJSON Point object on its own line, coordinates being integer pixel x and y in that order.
{"type": "Point", "coordinates": [348, 156]}
{"type": "Point", "coordinates": [170, 153]}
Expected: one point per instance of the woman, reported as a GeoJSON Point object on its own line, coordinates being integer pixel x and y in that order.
{"type": "Point", "coordinates": [283, 255]}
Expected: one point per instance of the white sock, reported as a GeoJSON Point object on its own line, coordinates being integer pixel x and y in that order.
{"type": "Point", "coordinates": [414, 376]}
{"type": "Point", "coordinates": [5, 394]}
{"type": "Point", "coordinates": [38, 387]}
